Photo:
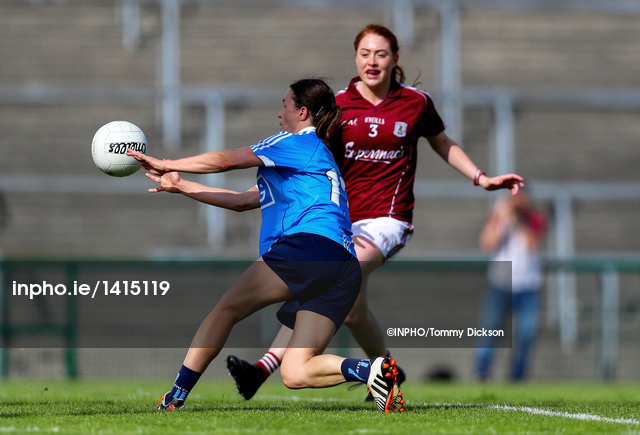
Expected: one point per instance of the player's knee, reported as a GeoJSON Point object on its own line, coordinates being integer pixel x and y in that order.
{"type": "Point", "coordinates": [232, 310]}
{"type": "Point", "coordinates": [292, 383]}
{"type": "Point", "coordinates": [292, 377]}
{"type": "Point", "coordinates": [355, 317]}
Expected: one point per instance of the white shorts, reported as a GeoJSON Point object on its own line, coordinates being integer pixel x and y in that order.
{"type": "Point", "coordinates": [389, 234]}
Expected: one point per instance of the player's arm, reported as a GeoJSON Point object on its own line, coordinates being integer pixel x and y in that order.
{"type": "Point", "coordinates": [207, 163]}
{"type": "Point", "coordinates": [229, 199]}
{"type": "Point", "coordinates": [453, 154]}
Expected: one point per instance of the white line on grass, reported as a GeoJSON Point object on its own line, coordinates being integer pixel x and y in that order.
{"type": "Point", "coordinates": [538, 411]}
{"type": "Point", "coordinates": [587, 417]}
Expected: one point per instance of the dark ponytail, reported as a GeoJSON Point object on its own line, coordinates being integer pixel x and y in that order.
{"type": "Point", "coordinates": [318, 98]}
{"type": "Point", "coordinates": [328, 121]}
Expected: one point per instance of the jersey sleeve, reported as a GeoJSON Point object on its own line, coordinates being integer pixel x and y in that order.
{"type": "Point", "coordinates": [432, 124]}
{"type": "Point", "coordinates": [276, 151]}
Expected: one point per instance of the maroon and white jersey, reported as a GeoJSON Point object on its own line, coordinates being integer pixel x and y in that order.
{"type": "Point", "coordinates": [380, 149]}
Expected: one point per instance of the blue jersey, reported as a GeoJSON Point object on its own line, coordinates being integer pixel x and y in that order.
{"type": "Point", "coordinates": [301, 190]}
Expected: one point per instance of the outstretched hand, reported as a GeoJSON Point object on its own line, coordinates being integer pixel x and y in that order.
{"type": "Point", "coordinates": [168, 182]}
{"type": "Point", "coordinates": [151, 164]}
{"type": "Point", "coordinates": [513, 182]}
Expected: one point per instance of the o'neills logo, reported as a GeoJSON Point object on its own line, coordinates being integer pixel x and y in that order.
{"type": "Point", "coordinates": [121, 147]}
{"type": "Point", "coordinates": [374, 120]}
{"type": "Point", "coordinates": [374, 155]}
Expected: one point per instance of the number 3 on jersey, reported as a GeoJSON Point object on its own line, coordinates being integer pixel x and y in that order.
{"type": "Point", "coordinates": [337, 185]}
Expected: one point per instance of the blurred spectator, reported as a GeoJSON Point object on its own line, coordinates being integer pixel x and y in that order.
{"type": "Point", "coordinates": [513, 232]}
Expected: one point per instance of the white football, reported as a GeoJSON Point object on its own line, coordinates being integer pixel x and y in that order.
{"type": "Point", "coordinates": [109, 148]}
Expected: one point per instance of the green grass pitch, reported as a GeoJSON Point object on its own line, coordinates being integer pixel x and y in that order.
{"type": "Point", "coordinates": [127, 406]}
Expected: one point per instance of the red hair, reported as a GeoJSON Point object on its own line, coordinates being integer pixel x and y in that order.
{"type": "Point", "coordinates": [378, 29]}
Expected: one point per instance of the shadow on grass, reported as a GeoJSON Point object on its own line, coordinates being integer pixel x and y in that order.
{"type": "Point", "coordinates": [24, 408]}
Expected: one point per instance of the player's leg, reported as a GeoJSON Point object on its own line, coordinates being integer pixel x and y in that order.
{"type": "Point", "coordinates": [304, 365]}
{"type": "Point", "coordinates": [375, 241]}
{"type": "Point", "coordinates": [361, 321]}
{"type": "Point", "coordinates": [258, 287]}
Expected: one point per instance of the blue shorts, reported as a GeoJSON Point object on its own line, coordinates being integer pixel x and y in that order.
{"type": "Point", "coordinates": [322, 275]}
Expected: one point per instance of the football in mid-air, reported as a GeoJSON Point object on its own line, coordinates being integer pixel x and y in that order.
{"type": "Point", "coordinates": [109, 148]}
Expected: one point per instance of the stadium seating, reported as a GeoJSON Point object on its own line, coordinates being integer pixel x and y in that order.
{"type": "Point", "coordinates": [79, 44]}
